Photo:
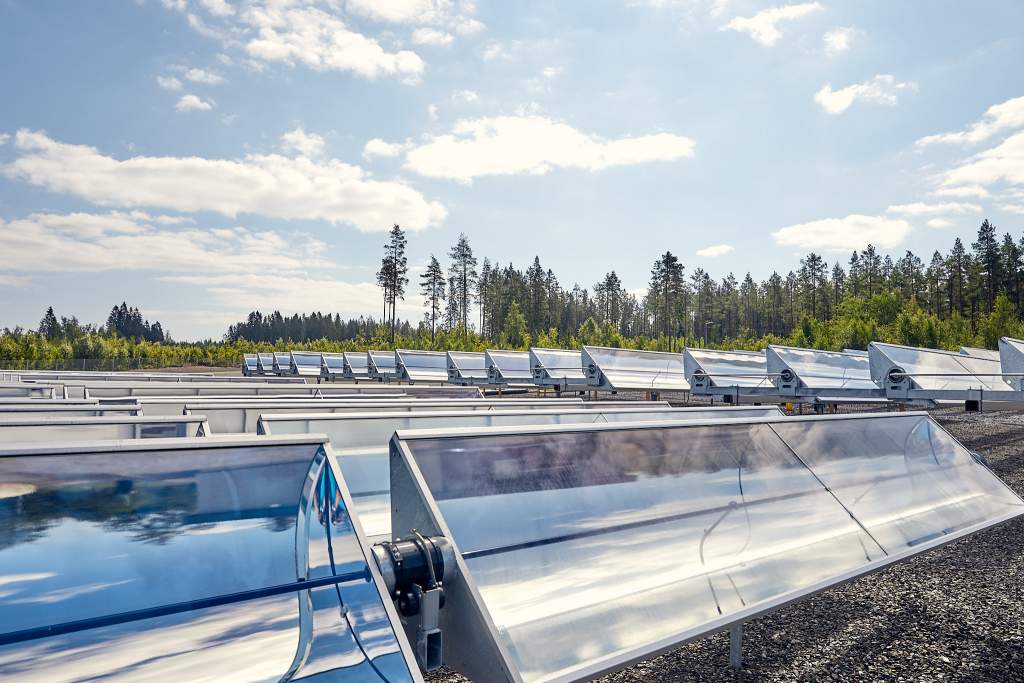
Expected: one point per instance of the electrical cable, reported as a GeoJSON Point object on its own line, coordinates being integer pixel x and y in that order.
{"type": "Point", "coordinates": [337, 588]}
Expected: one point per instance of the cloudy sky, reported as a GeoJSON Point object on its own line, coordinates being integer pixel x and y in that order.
{"type": "Point", "coordinates": [202, 158]}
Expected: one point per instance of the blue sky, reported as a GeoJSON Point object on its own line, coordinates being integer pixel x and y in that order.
{"type": "Point", "coordinates": [202, 158]}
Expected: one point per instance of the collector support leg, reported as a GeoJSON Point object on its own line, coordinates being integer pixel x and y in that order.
{"type": "Point", "coordinates": [736, 647]}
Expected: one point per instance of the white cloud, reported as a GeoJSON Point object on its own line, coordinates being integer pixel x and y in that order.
{"type": "Point", "coordinates": [88, 242]}
{"type": "Point", "coordinates": [168, 82]}
{"type": "Point", "coordinates": [446, 16]}
{"type": "Point", "coordinates": [882, 89]}
{"type": "Point", "coordinates": [495, 50]}
{"type": "Point", "coordinates": [309, 145]}
{"type": "Point", "coordinates": [1004, 162]}
{"type": "Point", "coordinates": [838, 40]}
{"type": "Point", "coordinates": [218, 8]}
{"type": "Point", "coordinates": [203, 76]}
{"type": "Point", "coordinates": [4, 138]}
{"type": "Point", "coordinates": [263, 184]}
{"type": "Point", "coordinates": [550, 72]}
{"type": "Point", "coordinates": [192, 103]}
{"type": "Point", "coordinates": [1012, 208]}
{"type": "Point", "coordinates": [964, 191]}
{"type": "Point", "coordinates": [940, 223]}
{"type": "Point", "coordinates": [432, 36]}
{"type": "Point", "coordinates": [269, 267]}
{"type": "Point", "coordinates": [763, 26]}
{"type": "Point", "coordinates": [506, 145]}
{"type": "Point", "coordinates": [923, 209]}
{"type": "Point", "coordinates": [715, 250]}
{"type": "Point", "coordinates": [380, 148]}
{"type": "Point", "coordinates": [432, 111]}
{"type": "Point", "coordinates": [321, 41]}
{"type": "Point", "coordinates": [844, 234]}
{"type": "Point", "coordinates": [468, 96]}
{"type": "Point", "coordinates": [997, 118]}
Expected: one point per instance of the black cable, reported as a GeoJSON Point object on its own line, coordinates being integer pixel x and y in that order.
{"type": "Point", "coordinates": [337, 589]}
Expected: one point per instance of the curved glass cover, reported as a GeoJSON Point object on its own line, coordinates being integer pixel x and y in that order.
{"type": "Point", "coordinates": [826, 369]}
{"type": "Point", "coordinates": [423, 366]}
{"type": "Point", "coordinates": [730, 368]}
{"type": "Point", "coordinates": [944, 370]}
{"type": "Point", "coordinates": [111, 535]}
{"type": "Point", "coordinates": [591, 547]}
{"type": "Point", "coordinates": [558, 364]}
{"type": "Point", "coordinates": [467, 365]}
{"type": "Point", "coordinates": [639, 370]}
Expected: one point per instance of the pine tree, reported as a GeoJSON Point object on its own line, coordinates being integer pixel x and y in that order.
{"type": "Point", "coordinates": [463, 271]}
{"type": "Point", "coordinates": [49, 327]}
{"type": "Point", "coordinates": [986, 252]}
{"type": "Point", "coordinates": [432, 287]}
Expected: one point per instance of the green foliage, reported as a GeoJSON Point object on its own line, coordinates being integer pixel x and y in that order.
{"type": "Point", "coordinates": [515, 334]}
{"type": "Point", "coordinates": [1001, 322]}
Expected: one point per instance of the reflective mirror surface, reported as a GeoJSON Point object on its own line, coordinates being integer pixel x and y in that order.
{"type": "Point", "coordinates": [576, 539]}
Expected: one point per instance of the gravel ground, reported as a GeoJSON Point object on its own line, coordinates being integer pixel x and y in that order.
{"type": "Point", "coordinates": [953, 614]}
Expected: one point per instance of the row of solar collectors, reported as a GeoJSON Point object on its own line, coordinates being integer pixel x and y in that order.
{"type": "Point", "coordinates": [886, 372]}
{"type": "Point", "coordinates": [568, 527]}
{"type": "Point", "coordinates": [62, 420]}
{"type": "Point", "coordinates": [130, 389]}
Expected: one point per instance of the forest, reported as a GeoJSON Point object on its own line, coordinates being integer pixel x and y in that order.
{"type": "Point", "coordinates": [965, 296]}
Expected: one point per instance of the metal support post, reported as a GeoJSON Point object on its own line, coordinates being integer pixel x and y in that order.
{"type": "Point", "coordinates": [736, 647]}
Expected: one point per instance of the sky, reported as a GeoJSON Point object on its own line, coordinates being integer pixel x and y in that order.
{"type": "Point", "coordinates": [200, 159]}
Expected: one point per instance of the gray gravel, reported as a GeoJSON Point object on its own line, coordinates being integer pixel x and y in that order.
{"type": "Point", "coordinates": [953, 614]}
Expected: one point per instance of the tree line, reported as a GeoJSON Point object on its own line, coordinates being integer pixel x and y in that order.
{"type": "Point", "coordinates": [966, 296]}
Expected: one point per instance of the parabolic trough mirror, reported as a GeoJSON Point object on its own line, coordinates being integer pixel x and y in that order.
{"type": "Point", "coordinates": [185, 560]}
{"type": "Point", "coordinates": [580, 549]}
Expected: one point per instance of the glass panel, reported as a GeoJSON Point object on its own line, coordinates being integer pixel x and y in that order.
{"type": "Point", "coordinates": [733, 368]}
{"type": "Point", "coordinates": [942, 370]}
{"type": "Point", "coordinates": [356, 360]}
{"type": "Point", "coordinates": [630, 369]}
{"type": "Point", "coordinates": [88, 535]}
{"type": "Point", "coordinates": [360, 442]}
{"type": "Point", "coordinates": [825, 370]}
{"type": "Point", "coordinates": [575, 540]}
{"type": "Point", "coordinates": [424, 359]}
{"type": "Point", "coordinates": [904, 478]}
{"type": "Point", "coordinates": [59, 430]}
{"type": "Point", "coordinates": [560, 364]}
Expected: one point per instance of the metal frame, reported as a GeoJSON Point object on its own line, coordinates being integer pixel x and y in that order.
{"type": "Point", "coordinates": [789, 383]}
{"type": "Point", "coordinates": [282, 363]}
{"type": "Point", "coordinates": [1011, 360]}
{"type": "Point", "coordinates": [350, 370]}
{"type": "Point", "coordinates": [703, 383]}
{"type": "Point", "coordinates": [436, 375]}
{"type": "Point", "coordinates": [457, 372]}
{"type": "Point", "coordinates": [487, 658]}
{"type": "Point", "coordinates": [249, 365]}
{"type": "Point", "coordinates": [389, 373]}
{"type": "Point", "coordinates": [902, 386]}
{"type": "Point", "coordinates": [331, 371]}
{"type": "Point", "coordinates": [46, 425]}
{"type": "Point", "coordinates": [600, 379]}
{"type": "Point", "coordinates": [309, 369]}
{"type": "Point", "coordinates": [505, 378]}
{"type": "Point", "coordinates": [549, 376]}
